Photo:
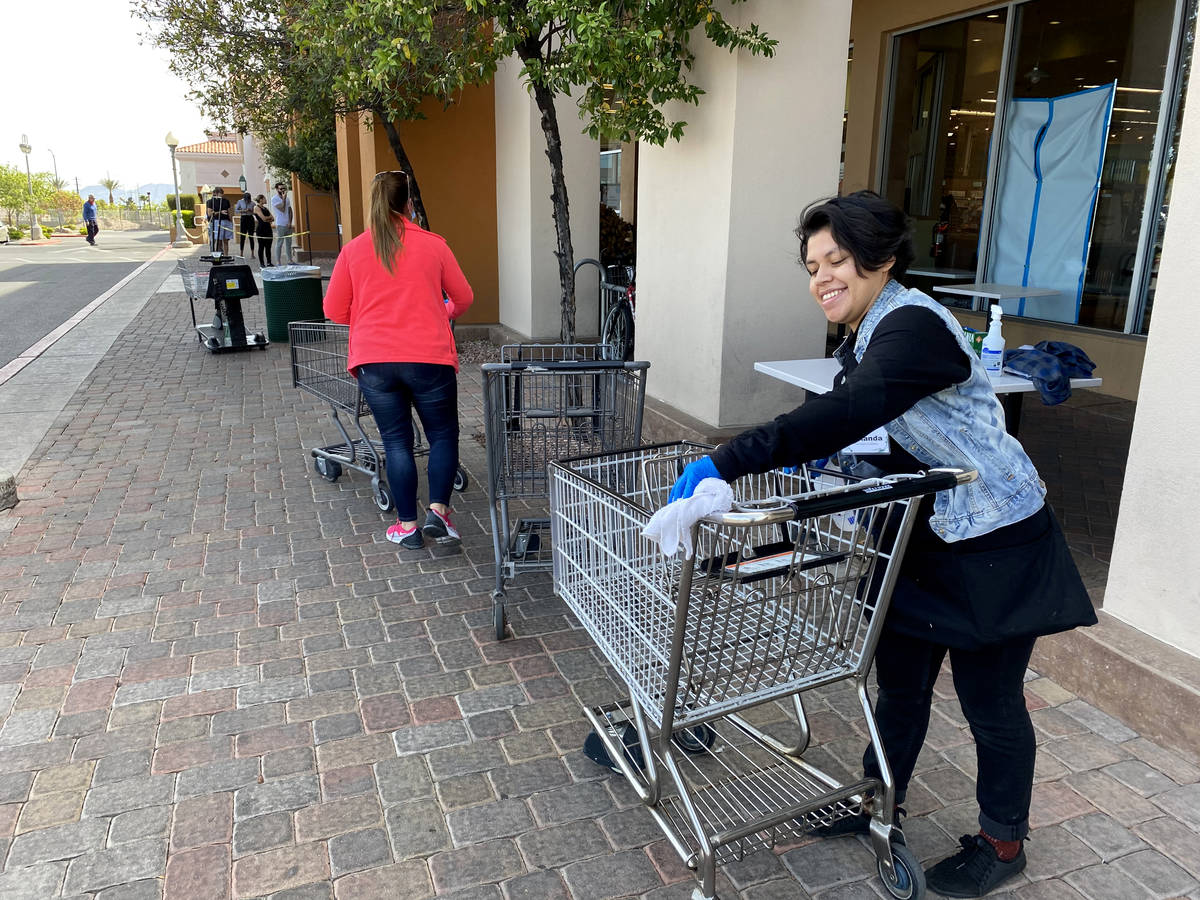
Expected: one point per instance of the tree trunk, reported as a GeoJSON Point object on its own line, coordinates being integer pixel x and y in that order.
{"type": "Point", "coordinates": [414, 188]}
{"type": "Point", "coordinates": [565, 254]}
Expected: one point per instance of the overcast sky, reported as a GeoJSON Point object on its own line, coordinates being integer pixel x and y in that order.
{"type": "Point", "coordinates": [78, 83]}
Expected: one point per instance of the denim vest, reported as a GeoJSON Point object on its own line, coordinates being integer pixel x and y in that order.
{"type": "Point", "coordinates": [963, 427]}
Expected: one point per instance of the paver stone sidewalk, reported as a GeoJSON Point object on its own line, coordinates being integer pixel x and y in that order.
{"type": "Point", "coordinates": [218, 680]}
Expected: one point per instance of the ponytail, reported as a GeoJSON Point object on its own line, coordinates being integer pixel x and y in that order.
{"type": "Point", "coordinates": [389, 196]}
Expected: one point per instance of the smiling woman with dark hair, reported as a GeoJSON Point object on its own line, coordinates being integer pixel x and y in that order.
{"type": "Point", "coordinates": [987, 569]}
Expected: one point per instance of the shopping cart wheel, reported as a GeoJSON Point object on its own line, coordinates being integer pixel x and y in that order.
{"type": "Point", "coordinates": [697, 739]}
{"type": "Point", "coordinates": [383, 497]}
{"type": "Point", "coordinates": [328, 469]}
{"type": "Point", "coordinates": [499, 616]}
{"type": "Point", "coordinates": [460, 479]}
{"type": "Point", "coordinates": [909, 883]}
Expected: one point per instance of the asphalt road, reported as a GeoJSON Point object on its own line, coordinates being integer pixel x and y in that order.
{"type": "Point", "coordinates": [43, 285]}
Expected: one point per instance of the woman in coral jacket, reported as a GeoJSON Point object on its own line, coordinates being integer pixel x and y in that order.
{"type": "Point", "coordinates": [398, 286]}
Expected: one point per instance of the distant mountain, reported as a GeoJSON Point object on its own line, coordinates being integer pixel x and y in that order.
{"type": "Point", "coordinates": [158, 192]}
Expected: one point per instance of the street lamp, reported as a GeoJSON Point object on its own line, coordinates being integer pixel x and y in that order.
{"type": "Point", "coordinates": [57, 185]}
{"type": "Point", "coordinates": [35, 230]}
{"type": "Point", "coordinates": [181, 240]}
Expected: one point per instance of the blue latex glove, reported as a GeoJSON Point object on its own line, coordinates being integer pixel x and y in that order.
{"type": "Point", "coordinates": [693, 474]}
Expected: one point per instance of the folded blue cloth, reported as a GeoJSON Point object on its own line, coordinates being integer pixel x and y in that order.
{"type": "Point", "coordinates": [1074, 361]}
{"type": "Point", "coordinates": [1050, 365]}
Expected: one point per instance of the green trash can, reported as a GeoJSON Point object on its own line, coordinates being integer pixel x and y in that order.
{"type": "Point", "coordinates": [290, 294]}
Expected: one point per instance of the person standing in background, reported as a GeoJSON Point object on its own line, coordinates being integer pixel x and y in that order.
{"type": "Point", "coordinates": [220, 222]}
{"type": "Point", "coordinates": [262, 228]}
{"type": "Point", "coordinates": [89, 219]}
{"type": "Point", "coordinates": [281, 209]}
{"type": "Point", "coordinates": [244, 210]}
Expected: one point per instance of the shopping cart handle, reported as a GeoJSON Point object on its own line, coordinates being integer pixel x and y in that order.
{"type": "Point", "coordinates": [855, 496]}
{"type": "Point", "coordinates": [570, 365]}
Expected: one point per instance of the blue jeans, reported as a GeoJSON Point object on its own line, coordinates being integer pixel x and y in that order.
{"type": "Point", "coordinates": [392, 390]}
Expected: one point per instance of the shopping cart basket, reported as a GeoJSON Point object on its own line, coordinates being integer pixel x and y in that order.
{"type": "Point", "coordinates": [545, 402]}
{"type": "Point", "coordinates": [319, 357]}
{"type": "Point", "coordinates": [227, 281]}
{"type": "Point", "coordinates": [784, 594]}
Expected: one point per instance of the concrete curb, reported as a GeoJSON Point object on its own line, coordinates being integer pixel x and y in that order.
{"type": "Point", "coordinates": [8, 490]}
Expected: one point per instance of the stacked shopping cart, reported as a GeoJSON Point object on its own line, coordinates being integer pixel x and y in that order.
{"type": "Point", "coordinates": [786, 593]}
{"type": "Point", "coordinates": [320, 353]}
{"type": "Point", "coordinates": [544, 402]}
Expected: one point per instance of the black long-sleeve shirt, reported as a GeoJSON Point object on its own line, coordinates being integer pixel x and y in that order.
{"type": "Point", "coordinates": [912, 354]}
{"type": "Point", "coordinates": [1016, 580]}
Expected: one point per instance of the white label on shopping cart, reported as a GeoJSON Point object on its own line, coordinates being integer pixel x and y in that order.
{"type": "Point", "coordinates": [873, 444]}
{"type": "Point", "coordinates": [777, 562]}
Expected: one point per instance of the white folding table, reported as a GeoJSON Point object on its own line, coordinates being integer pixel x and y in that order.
{"type": "Point", "coordinates": [816, 376]}
{"type": "Point", "coordinates": [987, 290]}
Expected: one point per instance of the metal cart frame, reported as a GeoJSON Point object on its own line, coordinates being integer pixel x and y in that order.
{"type": "Point", "coordinates": [785, 594]}
{"type": "Point", "coordinates": [227, 281]}
{"type": "Point", "coordinates": [320, 352]}
{"type": "Point", "coordinates": [541, 403]}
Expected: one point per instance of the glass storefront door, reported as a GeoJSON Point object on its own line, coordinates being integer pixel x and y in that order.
{"type": "Point", "coordinates": [943, 104]}
{"type": "Point", "coordinates": [947, 86]}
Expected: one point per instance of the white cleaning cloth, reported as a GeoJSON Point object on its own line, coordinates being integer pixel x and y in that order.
{"type": "Point", "coordinates": [672, 525]}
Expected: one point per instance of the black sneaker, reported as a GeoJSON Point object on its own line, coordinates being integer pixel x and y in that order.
{"type": "Point", "coordinates": [974, 870]}
{"type": "Point", "coordinates": [859, 823]}
{"type": "Point", "coordinates": [594, 749]}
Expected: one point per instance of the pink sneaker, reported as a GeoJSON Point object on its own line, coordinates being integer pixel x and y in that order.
{"type": "Point", "coordinates": [438, 527]}
{"type": "Point", "coordinates": [409, 539]}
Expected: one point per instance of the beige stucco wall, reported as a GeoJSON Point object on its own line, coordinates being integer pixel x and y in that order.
{"type": "Point", "coordinates": [1154, 580]}
{"type": "Point", "coordinates": [528, 270]}
{"type": "Point", "coordinates": [719, 287]}
{"type": "Point", "coordinates": [514, 176]}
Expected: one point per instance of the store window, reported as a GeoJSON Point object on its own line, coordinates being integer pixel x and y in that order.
{"type": "Point", "coordinates": [1064, 48]}
{"type": "Point", "coordinates": [1084, 84]}
{"type": "Point", "coordinates": [943, 104]}
{"type": "Point", "coordinates": [610, 175]}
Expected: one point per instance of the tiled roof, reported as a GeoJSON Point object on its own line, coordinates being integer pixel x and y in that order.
{"type": "Point", "coordinates": [222, 148]}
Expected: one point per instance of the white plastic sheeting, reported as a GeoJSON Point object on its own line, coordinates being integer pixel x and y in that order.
{"type": "Point", "coordinates": [1051, 161]}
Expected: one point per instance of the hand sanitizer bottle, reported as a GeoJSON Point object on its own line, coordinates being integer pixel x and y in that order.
{"type": "Point", "coordinates": [993, 345]}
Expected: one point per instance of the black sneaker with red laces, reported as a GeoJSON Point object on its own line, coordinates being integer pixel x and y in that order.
{"type": "Point", "coordinates": [974, 870]}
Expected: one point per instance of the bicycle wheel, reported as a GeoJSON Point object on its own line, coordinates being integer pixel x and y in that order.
{"type": "Point", "coordinates": [618, 331]}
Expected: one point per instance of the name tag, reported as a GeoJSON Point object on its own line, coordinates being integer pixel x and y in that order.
{"type": "Point", "coordinates": [873, 444]}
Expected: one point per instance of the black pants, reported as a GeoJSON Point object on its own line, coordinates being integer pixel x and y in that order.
{"type": "Point", "coordinates": [92, 229]}
{"type": "Point", "coordinates": [247, 233]}
{"type": "Point", "coordinates": [990, 687]}
{"type": "Point", "coordinates": [264, 250]}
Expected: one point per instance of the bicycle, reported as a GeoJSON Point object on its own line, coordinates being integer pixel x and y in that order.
{"type": "Point", "coordinates": [617, 332]}
{"type": "Point", "coordinates": [617, 302]}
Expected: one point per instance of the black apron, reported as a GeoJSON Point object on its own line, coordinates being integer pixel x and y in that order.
{"type": "Point", "coordinates": [1017, 581]}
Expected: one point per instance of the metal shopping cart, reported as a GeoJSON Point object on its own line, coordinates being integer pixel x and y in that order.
{"type": "Point", "coordinates": [544, 402]}
{"type": "Point", "coordinates": [227, 281]}
{"type": "Point", "coordinates": [319, 357]}
{"type": "Point", "coordinates": [785, 594]}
